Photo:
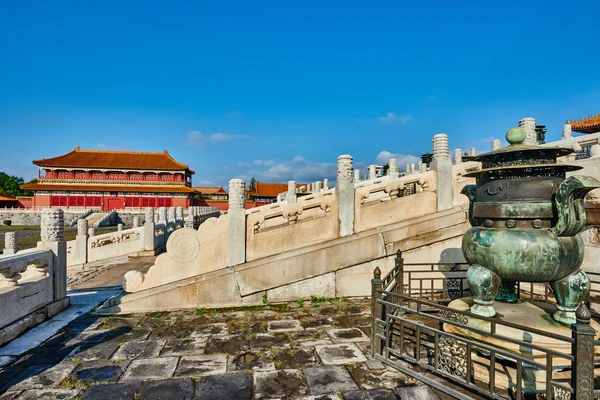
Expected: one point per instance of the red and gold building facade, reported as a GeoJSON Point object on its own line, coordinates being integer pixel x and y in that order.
{"type": "Point", "coordinates": [109, 180]}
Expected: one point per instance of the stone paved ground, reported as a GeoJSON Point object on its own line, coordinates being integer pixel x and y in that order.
{"type": "Point", "coordinates": [314, 350]}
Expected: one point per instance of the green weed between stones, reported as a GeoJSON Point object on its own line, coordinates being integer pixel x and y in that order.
{"type": "Point", "coordinates": [200, 311]}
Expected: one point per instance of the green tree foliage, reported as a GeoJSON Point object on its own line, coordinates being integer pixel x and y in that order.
{"type": "Point", "coordinates": [11, 185]}
{"type": "Point", "coordinates": [252, 186]}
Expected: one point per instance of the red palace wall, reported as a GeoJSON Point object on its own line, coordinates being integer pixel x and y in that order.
{"type": "Point", "coordinates": [107, 203]}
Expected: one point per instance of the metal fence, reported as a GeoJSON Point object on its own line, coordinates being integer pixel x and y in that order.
{"type": "Point", "coordinates": [413, 331]}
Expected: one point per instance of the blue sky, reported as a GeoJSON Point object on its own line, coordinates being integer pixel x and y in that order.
{"type": "Point", "coordinates": [277, 90]}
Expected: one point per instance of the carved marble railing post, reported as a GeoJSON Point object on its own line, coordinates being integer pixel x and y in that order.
{"type": "Point", "coordinates": [393, 171]}
{"type": "Point", "coordinates": [317, 186]}
{"type": "Point", "coordinates": [291, 193]}
{"type": "Point", "coordinates": [473, 152]}
{"type": "Point", "coordinates": [171, 215]}
{"type": "Point", "coordinates": [162, 215]}
{"type": "Point", "coordinates": [531, 136]}
{"type": "Point", "coordinates": [149, 229]}
{"type": "Point", "coordinates": [442, 165]}
{"type": "Point", "coordinates": [458, 156]}
{"type": "Point", "coordinates": [413, 170]}
{"type": "Point", "coordinates": [566, 132]}
{"type": "Point", "coordinates": [236, 223]}
{"type": "Point", "coordinates": [407, 170]}
{"type": "Point", "coordinates": [325, 184]}
{"type": "Point", "coordinates": [496, 144]}
{"type": "Point", "coordinates": [179, 214]}
{"type": "Point", "coordinates": [156, 215]}
{"type": "Point", "coordinates": [81, 240]}
{"type": "Point", "coordinates": [345, 193]}
{"type": "Point", "coordinates": [356, 175]}
{"type": "Point", "coordinates": [10, 243]}
{"type": "Point", "coordinates": [422, 166]}
{"type": "Point", "coordinates": [91, 231]}
{"type": "Point", "coordinates": [52, 226]}
{"type": "Point", "coordinates": [119, 227]}
{"type": "Point", "coordinates": [372, 172]}
{"type": "Point", "coordinates": [136, 221]}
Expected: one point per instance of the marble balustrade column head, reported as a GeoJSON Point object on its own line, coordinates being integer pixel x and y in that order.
{"type": "Point", "coordinates": [473, 152]}
{"type": "Point", "coordinates": [345, 194]}
{"type": "Point", "coordinates": [567, 132]}
{"type": "Point", "coordinates": [372, 172]}
{"type": "Point", "coordinates": [413, 169]}
{"type": "Point", "coordinates": [457, 156]}
{"type": "Point", "coordinates": [530, 134]}
{"type": "Point", "coordinates": [442, 165]}
{"type": "Point", "coordinates": [325, 184]}
{"type": "Point", "coordinates": [136, 221]}
{"type": "Point", "coordinates": [91, 231]}
{"type": "Point", "coordinates": [291, 193]}
{"type": "Point", "coordinates": [356, 175]}
{"type": "Point", "coordinates": [171, 216]}
{"type": "Point", "coordinates": [407, 170]}
{"type": "Point", "coordinates": [162, 215]}
{"type": "Point", "coordinates": [149, 215]}
{"type": "Point", "coordinates": [119, 227]}
{"type": "Point", "coordinates": [496, 144]}
{"type": "Point", "coordinates": [82, 227]}
{"type": "Point", "coordinates": [236, 223]}
{"type": "Point", "coordinates": [10, 243]}
{"type": "Point", "coordinates": [179, 213]}
{"type": "Point", "coordinates": [393, 171]}
{"type": "Point", "coordinates": [52, 225]}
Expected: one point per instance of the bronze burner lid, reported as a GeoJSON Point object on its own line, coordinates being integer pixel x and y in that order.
{"type": "Point", "coordinates": [518, 156]}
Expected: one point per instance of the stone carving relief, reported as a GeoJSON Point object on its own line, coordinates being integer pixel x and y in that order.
{"type": "Point", "coordinates": [237, 193]}
{"type": "Point", "coordinates": [10, 240]}
{"type": "Point", "coordinates": [52, 225]}
{"type": "Point", "coordinates": [149, 215]}
{"type": "Point", "coordinates": [82, 227]}
{"type": "Point", "coordinates": [345, 169]}
{"type": "Point", "coordinates": [591, 236]}
{"type": "Point", "coordinates": [440, 147]}
{"type": "Point", "coordinates": [114, 238]}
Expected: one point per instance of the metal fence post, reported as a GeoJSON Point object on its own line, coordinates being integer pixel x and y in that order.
{"type": "Point", "coordinates": [376, 286]}
{"type": "Point", "coordinates": [399, 273]}
{"type": "Point", "coordinates": [582, 367]}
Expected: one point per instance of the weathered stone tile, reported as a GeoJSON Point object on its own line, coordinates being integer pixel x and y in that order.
{"type": "Point", "coordinates": [371, 394]}
{"type": "Point", "coordinates": [352, 321]}
{"type": "Point", "coordinates": [171, 331]}
{"type": "Point", "coordinates": [184, 347]}
{"type": "Point", "coordinates": [256, 327]}
{"type": "Point", "coordinates": [127, 334]}
{"type": "Point", "coordinates": [92, 372]}
{"type": "Point", "coordinates": [328, 379]}
{"type": "Point", "coordinates": [320, 397]}
{"type": "Point", "coordinates": [205, 331]}
{"type": "Point", "coordinates": [416, 393]}
{"type": "Point", "coordinates": [115, 391]}
{"type": "Point", "coordinates": [295, 358]}
{"type": "Point", "coordinates": [316, 322]}
{"type": "Point", "coordinates": [42, 356]}
{"type": "Point", "coordinates": [373, 379]}
{"type": "Point", "coordinates": [93, 351]}
{"type": "Point", "coordinates": [41, 376]}
{"type": "Point", "coordinates": [150, 368]}
{"type": "Point", "coordinates": [11, 395]}
{"type": "Point", "coordinates": [226, 387]}
{"type": "Point", "coordinates": [251, 360]}
{"type": "Point", "coordinates": [91, 336]}
{"type": "Point", "coordinates": [279, 384]}
{"type": "Point", "coordinates": [139, 349]}
{"type": "Point", "coordinates": [190, 366]}
{"type": "Point", "coordinates": [338, 354]}
{"type": "Point", "coordinates": [233, 344]}
{"type": "Point", "coordinates": [50, 394]}
{"type": "Point", "coordinates": [170, 389]}
{"type": "Point", "coordinates": [268, 340]}
{"type": "Point", "coordinates": [287, 325]}
{"type": "Point", "coordinates": [119, 322]}
{"type": "Point", "coordinates": [347, 335]}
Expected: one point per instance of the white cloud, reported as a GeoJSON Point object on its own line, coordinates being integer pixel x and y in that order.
{"type": "Point", "coordinates": [384, 157]}
{"type": "Point", "coordinates": [199, 138]}
{"type": "Point", "coordinates": [204, 182]}
{"type": "Point", "coordinates": [298, 169]}
{"type": "Point", "coordinates": [256, 163]}
{"type": "Point", "coordinates": [388, 119]}
{"type": "Point", "coordinates": [392, 119]}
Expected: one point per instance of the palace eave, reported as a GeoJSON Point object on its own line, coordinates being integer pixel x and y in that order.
{"type": "Point", "coordinates": [589, 124]}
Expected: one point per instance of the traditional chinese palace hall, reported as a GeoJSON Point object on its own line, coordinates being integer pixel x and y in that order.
{"type": "Point", "coordinates": [111, 180]}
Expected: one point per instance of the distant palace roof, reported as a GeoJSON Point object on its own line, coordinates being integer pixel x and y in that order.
{"type": "Point", "coordinates": [210, 190]}
{"type": "Point", "coordinates": [107, 188]}
{"type": "Point", "coordinates": [4, 197]}
{"type": "Point", "coordinates": [590, 124]}
{"type": "Point", "coordinates": [271, 189]}
{"type": "Point", "coordinates": [135, 160]}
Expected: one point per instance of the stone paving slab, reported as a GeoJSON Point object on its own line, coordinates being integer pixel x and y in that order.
{"type": "Point", "coordinates": [41, 377]}
{"type": "Point", "coordinates": [184, 347]}
{"type": "Point", "coordinates": [94, 372]}
{"type": "Point", "coordinates": [338, 354]}
{"type": "Point", "coordinates": [139, 349]}
{"type": "Point", "coordinates": [373, 394]}
{"type": "Point", "coordinates": [279, 384]}
{"type": "Point", "coordinates": [116, 391]}
{"type": "Point", "coordinates": [150, 368]}
{"type": "Point", "coordinates": [256, 361]}
{"type": "Point", "coordinates": [237, 386]}
{"type": "Point", "coordinates": [288, 325]}
{"type": "Point", "coordinates": [50, 394]}
{"type": "Point", "coordinates": [347, 335]}
{"type": "Point", "coordinates": [172, 389]}
{"type": "Point", "coordinates": [191, 366]}
{"type": "Point", "coordinates": [328, 379]}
